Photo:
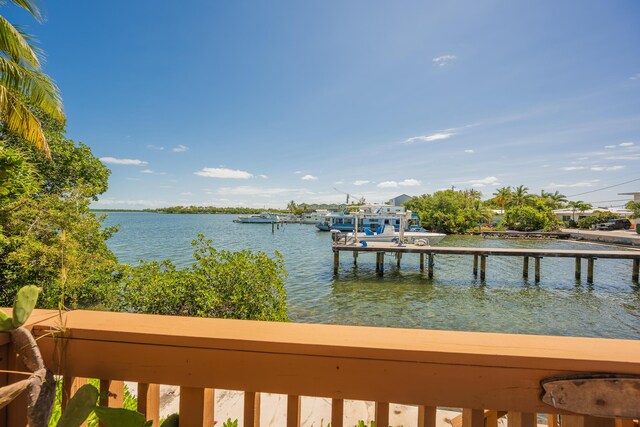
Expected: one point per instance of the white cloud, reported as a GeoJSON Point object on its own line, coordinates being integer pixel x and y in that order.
{"type": "Point", "coordinates": [152, 172]}
{"type": "Point", "coordinates": [247, 190]}
{"type": "Point", "coordinates": [629, 157]}
{"type": "Point", "coordinates": [179, 148]}
{"type": "Point", "coordinates": [609, 146]}
{"type": "Point", "coordinates": [224, 173]}
{"type": "Point", "coordinates": [309, 178]}
{"type": "Point", "coordinates": [127, 162]}
{"type": "Point", "coordinates": [469, 151]}
{"type": "Point", "coordinates": [606, 168]}
{"type": "Point", "coordinates": [121, 202]}
{"type": "Point", "coordinates": [361, 182]}
{"type": "Point", "coordinates": [573, 168]}
{"type": "Point", "coordinates": [155, 147]}
{"type": "Point", "coordinates": [297, 172]}
{"type": "Point", "coordinates": [490, 180]}
{"type": "Point", "coordinates": [430, 138]}
{"type": "Point", "coordinates": [443, 60]}
{"type": "Point", "coordinates": [636, 77]}
{"type": "Point", "coordinates": [404, 183]}
{"type": "Point", "coordinates": [626, 144]}
{"type": "Point", "coordinates": [263, 176]}
{"type": "Point", "coordinates": [574, 185]}
{"type": "Point", "coordinates": [340, 181]}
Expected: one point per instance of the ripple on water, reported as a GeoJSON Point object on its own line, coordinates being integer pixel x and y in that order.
{"type": "Point", "coordinates": [404, 297]}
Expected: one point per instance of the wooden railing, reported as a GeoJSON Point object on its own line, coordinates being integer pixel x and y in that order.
{"type": "Point", "coordinates": [486, 374]}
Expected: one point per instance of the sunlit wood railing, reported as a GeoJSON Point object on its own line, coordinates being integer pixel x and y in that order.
{"type": "Point", "coordinates": [489, 375]}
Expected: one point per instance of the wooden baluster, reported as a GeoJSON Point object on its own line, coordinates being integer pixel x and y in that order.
{"type": "Point", "coordinates": [293, 411]}
{"type": "Point", "coordinates": [552, 419]}
{"type": "Point", "coordinates": [4, 379]}
{"type": "Point", "coordinates": [111, 394]}
{"type": "Point", "coordinates": [521, 419]}
{"type": "Point", "coordinates": [337, 412]}
{"type": "Point", "coordinates": [624, 423]}
{"type": "Point", "coordinates": [427, 416]}
{"type": "Point", "coordinates": [491, 418]}
{"type": "Point", "coordinates": [197, 406]}
{"type": "Point", "coordinates": [586, 421]}
{"type": "Point", "coordinates": [251, 409]}
{"type": "Point", "coordinates": [69, 387]}
{"type": "Point", "coordinates": [149, 402]}
{"type": "Point", "coordinates": [382, 414]}
{"type": "Point", "coordinates": [17, 409]}
{"type": "Point", "coordinates": [473, 417]}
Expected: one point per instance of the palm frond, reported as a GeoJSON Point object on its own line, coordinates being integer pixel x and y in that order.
{"type": "Point", "coordinates": [35, 86]}
{"type": "Point", "coordinates": [19, 119]}
{"type": "Point", "coordinates": [31, 6]}
{"type": "Point", "coordinates": [16, 46]}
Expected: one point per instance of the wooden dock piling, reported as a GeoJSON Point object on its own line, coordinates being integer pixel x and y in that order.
{"type": "Point", "coordinates": [590, 270]}
{"type": "Point", "coordinates": [380, 248]}
{"type": "Point", "coordinates": [538, 268]}
{"type": "Point", "coordinates": [475, 265]}
{"type": "Point", "coordinates": [355, 257]}
{"type": "Point", "coordinates": [578, 268]}
{"type": "Point", "coordinates": [398, 258]}
{"type": "Point", "coordinates": [431, 265]}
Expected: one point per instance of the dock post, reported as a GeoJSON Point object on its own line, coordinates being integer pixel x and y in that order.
{"type": "Point", "coordinates": [636, 270]}
{"type": "Point", "coordinates": [380, 268]}
{"type": "Point", "coordinates": [355, 257]}
{"type": "Point", "coordinates": [483, 266]}
{"type": "Point", "coordinates": [525, 267]}
{"type": "Point", "coordinates": [431, 264]}
{"type": "Point", "coordinates": [590, 270]}
{"type": "Point", "coordinates": [273, 227]}
{"type": "Point", "coordinates": [377, 262]}
{"type": "Point", "coordinates": [538, 269]}
{"type": "Point", "coordinates": [336, 261]}
{"type": "Point", "coordinates": [421, 262]}
{"type": "Point", "coordinates": [475, 265]}
{"type": "Point", "coordinates": [398, 258]}
{"type": "Point", "coordinates": [578, 268]}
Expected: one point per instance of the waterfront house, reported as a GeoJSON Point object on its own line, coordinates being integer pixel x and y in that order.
{"type": "Point", "coordinates": [567, 214]}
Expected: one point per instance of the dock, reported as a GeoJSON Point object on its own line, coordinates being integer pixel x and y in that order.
{"type": "Point", "coordinates": [480, 256]}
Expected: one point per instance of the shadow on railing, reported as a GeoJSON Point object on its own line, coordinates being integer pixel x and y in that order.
{"type": "Point", "coordinates": [490, 375]}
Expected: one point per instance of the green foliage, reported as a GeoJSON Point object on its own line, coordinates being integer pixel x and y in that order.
{"type": "Point", "coordinates": [527, 218]}
{"type": "Point", "coordinates": [172, 420]}
{"type": "Point", "coordinates": [239, 285]}
{"type": "Point", "coordinates": [363, 424]}
{"type": "Point", "coordinates": [635, 207]}
{"type": "Point", "coordinates": [210, 210]}
{"type": "Point", "coordinates": [230, 423]}
{"type": "Point", "coordinates": [17, 175]}
{"type": "Point", "coordinates": [23, 304]}
{"type": "Point", "coordinates": [596, 218]}
{"type": "Point", "coordinates": [79, 407]}
{"type": "Point", "coordinates": [450, 211]}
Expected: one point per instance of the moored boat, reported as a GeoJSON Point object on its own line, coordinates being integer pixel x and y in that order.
{"type": "Point", "coordinates": [261, 218]}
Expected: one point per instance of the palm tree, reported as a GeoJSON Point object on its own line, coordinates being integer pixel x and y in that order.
{"type": "Point", "coordinates": [578, 205]}
{"type": "Point", "coordinates": [503, 197]}
{"type": "Point", "coordinates": [521, 195]}
{"type": "Point", "coordinates": [556, 200]}
{"type": "Point", "coordinates": [23, 85]}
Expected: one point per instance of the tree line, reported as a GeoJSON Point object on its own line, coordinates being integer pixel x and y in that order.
{"type": "Point", "coordinates": [49, 236]}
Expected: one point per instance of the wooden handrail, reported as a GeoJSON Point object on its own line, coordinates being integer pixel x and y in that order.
{"type": "Point", "coordinates": [441, 368]}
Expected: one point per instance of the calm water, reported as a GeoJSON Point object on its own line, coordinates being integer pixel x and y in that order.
{"type": "Point", "coordinates": [405, 297]}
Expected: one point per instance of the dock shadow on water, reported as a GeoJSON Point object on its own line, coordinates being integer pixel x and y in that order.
{"type": "Point", "coordinates": [452, 299]}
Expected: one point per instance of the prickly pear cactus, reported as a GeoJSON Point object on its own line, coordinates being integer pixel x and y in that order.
{"type": "Point", "coordinates": [23, 304]}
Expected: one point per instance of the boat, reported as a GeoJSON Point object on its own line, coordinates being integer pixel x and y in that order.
{"type": "Point", "coordinates": [261, 218]}
{"type": "Point", "coordinates": [389, 234]}
{"type": "Point", "coordinates": [373, 217]}
{"type": "Point", "coordinates": [340, 221]}
{"type": "Point", "coordinates": [315, 217]}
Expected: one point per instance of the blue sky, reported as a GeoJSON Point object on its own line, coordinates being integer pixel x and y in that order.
{"type": "Point", "coordinates": [257, 103]}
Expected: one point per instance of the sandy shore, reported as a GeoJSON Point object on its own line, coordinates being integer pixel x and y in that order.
{"type": "Point", "coordinates": [315, 412]}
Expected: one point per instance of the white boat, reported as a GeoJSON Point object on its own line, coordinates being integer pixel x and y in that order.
{"type": "Point", "coordinates": [262, 218]}
{"type": "Point", "coordinates": [388, 234]}
{"type": "Point", "coordinates": [315, 217]}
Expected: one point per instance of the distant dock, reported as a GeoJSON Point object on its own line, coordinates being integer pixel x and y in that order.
{"type": "Point", "coordinates": [480, 256]}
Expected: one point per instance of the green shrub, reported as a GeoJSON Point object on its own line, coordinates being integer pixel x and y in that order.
{"type": "Point", "coordinates": [525, 218]}
{"type": "Point", "coordinates": [597, 218]}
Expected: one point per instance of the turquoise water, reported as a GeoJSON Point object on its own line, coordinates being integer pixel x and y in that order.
{"type": "Point", "coordinates": [405, 297]}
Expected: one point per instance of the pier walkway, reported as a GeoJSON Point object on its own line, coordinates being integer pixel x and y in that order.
{"type": "Point", "coordinates": [481, 254]}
